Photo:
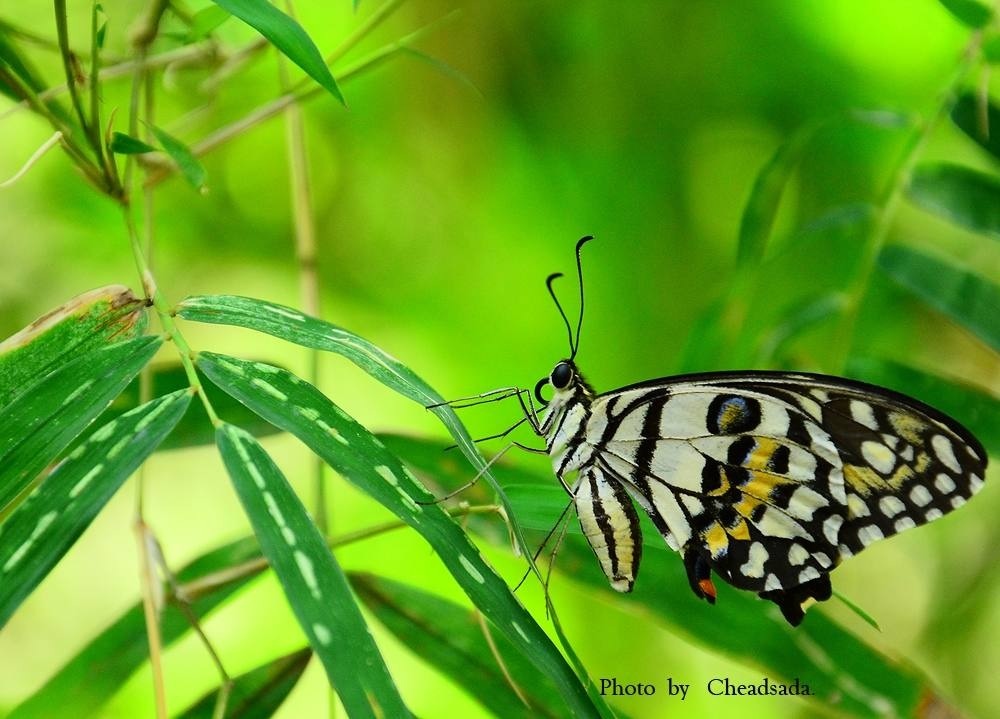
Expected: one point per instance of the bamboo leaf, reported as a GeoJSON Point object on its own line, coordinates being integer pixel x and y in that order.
{"type": "Point", "coordinates": [978, 118]}
{"type": "Point", "coordinates": [761, 208]}
{"type": "Point", "coordinates": [313, 582]}
{"type": "Point", "coordinates": [180, 153]}
{"type": "Point", "coordinates": [286, 35]}
{"type": "Point", "coordinates": [967, 298]}
{"type": "Point", "coordinates": [194, 429]}
{"type": "Point", "coordinates": [297, 407]}
{"type": "Point", "coordinates": [41, 421]}
{"type": "Point", "coordinates": [841, 670]}
{"type": "Point", "coordinates": [46, 525]}
{"type": "Point", "coordinates": [123, 144]}
{"type": "Point", "coordinates": [87, 322]}
{"type": "Point", "coordinates": [971, 13]}
{"type": "Point", "coordinates": [257, 694]}
{"type": "Point", "coordinates": [206, 21]}
{"type": "Point", "coordinates": [966, 197]}
{"type": "Point", "coordinates": [974, 408]}
{"type": "Point", "coordinates": [447, 636]}
{"type": "Point", "coordinates": [101, 668]}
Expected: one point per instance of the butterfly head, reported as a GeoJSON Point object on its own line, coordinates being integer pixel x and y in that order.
{"type": "Point", "coordinates": [565, 380]}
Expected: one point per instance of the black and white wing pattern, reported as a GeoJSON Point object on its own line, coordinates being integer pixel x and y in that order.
{"type": "Point", "coordinates": [770, 479]}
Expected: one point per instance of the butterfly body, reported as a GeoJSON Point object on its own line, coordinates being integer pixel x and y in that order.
{"type": "Point", "coordinates": [769, 479]}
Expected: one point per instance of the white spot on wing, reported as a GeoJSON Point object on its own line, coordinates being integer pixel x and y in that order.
{"type": "Point", "coordinates": [878, 456]}
{"type": "Point", "coordinates": [904, 523]}
{"type": "Point", "coordinates": [920, 496]}
{"type": "Point", "coordinates": [797, 555]}
{"type": "Point", "coordinates": [891, 506]}
{"type": "Point", "coordinates": [863, 413]}
{"type": "Point", "coordinates": [808, 573]}
{"type": "Point", "coordinates": [944, 484]}
{"type": "Point", "coordinates": [856, 506]}
{"type": "Point", "coordinates": [945, 452]}
{"type": "Point", "coordinates": [831, 528]}
{"type": "Point", "coordinates": [754, 566]}
{"type": "Point", "coordinates": [869, 534]}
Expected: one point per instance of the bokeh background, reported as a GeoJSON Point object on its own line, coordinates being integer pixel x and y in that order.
{"type": "Point", "coordinates": [442, 199]}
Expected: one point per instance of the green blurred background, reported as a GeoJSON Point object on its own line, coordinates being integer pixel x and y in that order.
{"type": "Point", "coordinates": [441, 204]}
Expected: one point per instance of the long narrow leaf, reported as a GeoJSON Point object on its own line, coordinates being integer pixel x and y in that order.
{"type": "Point", "coordinates": [42, 420]}
{"type": "Point", "coordinates": [259, 693]}
{"type": "Point", "coordinates": [313, 582]}
{"type": "Point", "coordinates": [297, 407]}
{"type": "Point", "coordinates": [967, 298]}
{"type": "Point", "coordinates": [967, 197]}
{"type": "Point", "coordinates": [45, 526]}
{"type": "Point", "coordinates": [448, 636]}
{"type": "Point", "coordinates": [981, 123]}
{"type": "Point", "coordinates": [973, 13]}
{"type": "Point", "coordinates": [180, 153]}
{"type": "Point", "coordinates": [286, 35]}
{"type": "Point", "coordinates": [84, 323]}
{"type": "Point", "coordinates": [101, 668]}
{"type": "Point", "coordinates": [840, 669]}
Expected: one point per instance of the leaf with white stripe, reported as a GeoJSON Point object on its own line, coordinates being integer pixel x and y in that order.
{"type": "Point", "coordinates": [84, 323]}
{"type": "Point", "coordinates": [297, 407]}
{"type": "Point", "coordinates": [45, 525]}
{"type": "Point", "coordinates": [313, 582]}
{"type": "Point", "coordinates": [45, 417]}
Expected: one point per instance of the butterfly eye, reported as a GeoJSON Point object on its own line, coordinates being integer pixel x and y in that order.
{"type": "Point", "coordinates": [562, 375]}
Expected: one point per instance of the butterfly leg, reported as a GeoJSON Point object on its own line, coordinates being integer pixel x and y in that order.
{"type": "Point", "coordinates": [699, 574]}
{"type": "Point", "coordinates": [790, 601]}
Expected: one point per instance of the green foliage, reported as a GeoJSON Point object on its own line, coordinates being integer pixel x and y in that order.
{"type": "Point", "coordinates": [313, 582]}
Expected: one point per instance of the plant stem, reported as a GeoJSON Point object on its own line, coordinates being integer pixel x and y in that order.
{"type": "Point", "coordinates": [67, 58]}
{"type": "Point", "coordinates": [900, 178]}
{"type": "Point", "coordinates": [306, 256]}
{"type": "Point", "coordinates": [148, 582]}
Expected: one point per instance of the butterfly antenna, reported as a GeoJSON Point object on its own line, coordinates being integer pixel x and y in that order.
{"type": "Point", "coordinates": [575, 345]}
{"type": "Point", "coordinates": [562, 312]}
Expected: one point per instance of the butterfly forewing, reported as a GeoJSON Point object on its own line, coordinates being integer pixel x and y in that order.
{"type": "Point", "coordinates": [772, 478]}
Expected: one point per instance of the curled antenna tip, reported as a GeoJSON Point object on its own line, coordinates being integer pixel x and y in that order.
{"type": "Point", "coordinates": [582, 241]}
{"type": "Point", "coordinates": [551, 278]}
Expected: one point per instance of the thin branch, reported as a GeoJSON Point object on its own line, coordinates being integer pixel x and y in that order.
{"type": "Point", "coordinates": [273, 108]}
{"type": "Point", "coordinates": [35, 157]}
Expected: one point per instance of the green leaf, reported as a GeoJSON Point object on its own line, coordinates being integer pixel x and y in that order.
{"type": "Point", "coordinates": [286, 35]}
{"type": "Point", "coordinates": [978, 118]}
{"type": "Point", "coordinates": [102, 667]}
{"type": "Point", "coordinates": [844, 673]}
{"type": "Point", "coordinates": [967, 298]}
{"type": "Point", "coordinates": [972, 13]}
{"type": "Point", "coordinates": [87, 322]}
{"type": "Point", "coordinates": [43, 528]}
{"type": "Point", "coordinates": [297, 407]}
{"type": "Point", "coordinates": [966, 197]}
{"type": "Point", "coordinates": [447, 636]}
{"type": "Point", "coordinates": [761, 208]}
{"type": "Point", "coordinates": [991, 48]}
{"type": "Point", "coordinates": [257, 694]}
{"type": "Point", "coordinates": [314, 584]}
{"type": "Point", "coordinates": [976, 409]}
{"type": "Point", "coordinates": [194, 429]}
{"type": "Point", "coordinates": [41, 421]}
{"type": "Point", "coordinates": [123, 144]}
{"type": "Point", "coordinates": [180, 153]}
{"type": "Point", "coordinates": [206, 21]}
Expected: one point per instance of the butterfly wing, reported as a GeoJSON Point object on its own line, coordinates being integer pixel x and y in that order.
{"type": "Point", "coordinates": [773, 478]}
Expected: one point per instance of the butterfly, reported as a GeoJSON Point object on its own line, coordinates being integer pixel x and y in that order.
{"type": "Point", "coordinates": [768, 479]}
